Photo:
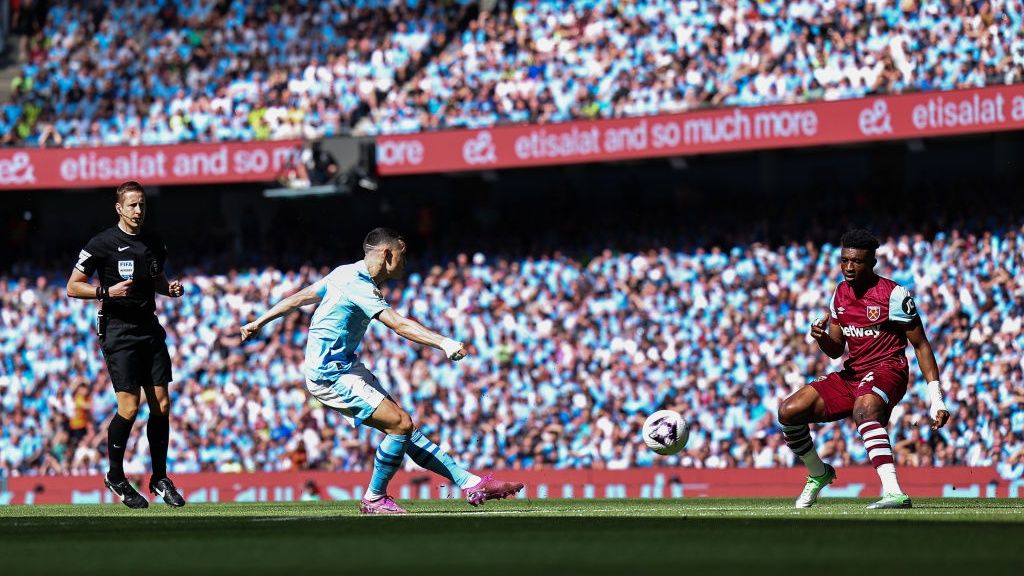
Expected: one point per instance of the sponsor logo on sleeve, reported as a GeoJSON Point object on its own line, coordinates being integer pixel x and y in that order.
{"type": "Point", "coordinates": [909, 308]}
{"type": "Point", "coordinates": [82, 257]}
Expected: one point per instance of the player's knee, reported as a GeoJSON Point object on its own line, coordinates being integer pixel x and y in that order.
{"type": "Point", "coordinates": [128, 412]}
{"type": "Point", "coordinates": [862, 414]}
{"type": "Point", "coordinates": [404, 426]}
{"type": "Point", "coordinates": [860, 417]}
{"type": "Point", "coordinates": [789, 413]}
{"type": "Point", "coordinates": [164, 406]}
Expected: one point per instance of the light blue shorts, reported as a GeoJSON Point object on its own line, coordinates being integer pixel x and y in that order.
{"type": "Point", "coordinates": [355, 394]}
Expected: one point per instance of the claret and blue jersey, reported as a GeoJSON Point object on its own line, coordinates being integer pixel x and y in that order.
{"type": "Point", "coordinates": [873, 323]}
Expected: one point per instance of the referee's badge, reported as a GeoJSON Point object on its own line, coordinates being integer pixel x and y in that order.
{"type": "Point", "coordinates": [126, 268]}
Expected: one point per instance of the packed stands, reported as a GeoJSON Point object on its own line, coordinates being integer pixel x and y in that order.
{"type": "Point", "coordinates": [572, 348]}
{"type": "Point", "coordinates": [176, 71]}
{"type": "Point", "coordinates": [556, 61]}
{"type": "Point", "coordinates": [570, 354]}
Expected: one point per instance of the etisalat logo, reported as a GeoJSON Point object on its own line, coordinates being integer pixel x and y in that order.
{"type": "Point", "coordinates": [875, 120]}
{"type": "Point", "coordinates": [18, 169]}
{"type": "Point", "coordinates": [480, 149]}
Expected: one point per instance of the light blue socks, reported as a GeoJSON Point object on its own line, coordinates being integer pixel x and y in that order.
{"type": "Point", "coordinates": [430, 456]}
{"type": "Point", "coordinates": [386, 463]}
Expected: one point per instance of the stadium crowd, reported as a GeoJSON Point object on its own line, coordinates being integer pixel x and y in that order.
{"type": "Point", "coordinates": [556, 61]}
{"type": "Point", "coordinates": [134, 72]}
{"type": "Point", "coordinates": [569, 355]}
{"type": "Point", "coordinates": [194, 70]}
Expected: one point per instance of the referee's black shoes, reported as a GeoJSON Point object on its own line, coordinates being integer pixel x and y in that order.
{"type": "Point", "coordinates": [165, 489]}
{"type": "Point", "coordinates": [129, 496]}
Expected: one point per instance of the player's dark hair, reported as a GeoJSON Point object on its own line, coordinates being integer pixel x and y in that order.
{"type": "Point", "coordinates": [126, 187]}
{"type": "Point", "coordinates": [860, 239]}
{"type": "Point", "coordinates": [381, 237]}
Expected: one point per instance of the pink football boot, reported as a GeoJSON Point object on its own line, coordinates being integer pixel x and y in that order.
{"type": "Point", "coordinates": [488, 488]}
{"type": "Point", "coordinates": [382, 505]}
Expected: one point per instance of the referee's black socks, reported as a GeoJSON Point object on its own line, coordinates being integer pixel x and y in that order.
{"type": "Point", "coordinates": [117, 440]}
{"type": "Point", "coordinates": [158, 430]}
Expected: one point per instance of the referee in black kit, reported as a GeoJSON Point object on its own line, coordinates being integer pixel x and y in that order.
{"type": "Point", "coordinates": [130, 266]}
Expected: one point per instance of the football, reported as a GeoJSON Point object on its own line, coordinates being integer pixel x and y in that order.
{"type": "Point", "coordinates": [665, 432]}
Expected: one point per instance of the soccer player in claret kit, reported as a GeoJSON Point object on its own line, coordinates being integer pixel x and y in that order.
{"type": "Point", "coordinates": [130, 265]}
{"type": "Point", "coordinates": [348, 299]}
{"type": "Point", "coordinates": [875, 318]}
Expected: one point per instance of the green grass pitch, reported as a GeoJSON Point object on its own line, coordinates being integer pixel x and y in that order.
{"type": "Point", "coordinates": [979, 537]}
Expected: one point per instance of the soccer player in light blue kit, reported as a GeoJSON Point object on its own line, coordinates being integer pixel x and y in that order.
{"type": "Point", "coordinates": [347, 300]}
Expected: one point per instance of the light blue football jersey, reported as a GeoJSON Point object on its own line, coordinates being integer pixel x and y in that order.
{"type": "Point", "coordinates": [349, 300]}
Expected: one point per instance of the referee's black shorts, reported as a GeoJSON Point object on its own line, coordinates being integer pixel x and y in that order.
{"type": "Point", "coordinates": [136, 354]}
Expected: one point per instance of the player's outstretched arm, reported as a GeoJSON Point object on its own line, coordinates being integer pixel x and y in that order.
{"type": "Point", "coordinates": [829, 337]}
{"type": "Point", "coordinates": [308, 295]}
{"type": "Point", "coordinates": [413, 330]}
{"type": "Point", "coordinates": [930, 368]}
